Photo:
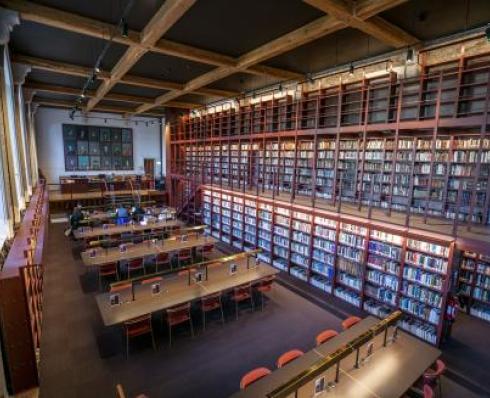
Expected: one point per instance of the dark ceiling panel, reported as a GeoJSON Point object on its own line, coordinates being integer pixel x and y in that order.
{"type": "Point", "coordinates": [168, 68]}
{"type": "Point", "coordinates": [41, 76]}
{"type": "Point", "coordinates": [196, 99]}
{"type": "Point", "coordinates": [52, 96]}
{"type": "Point", "coordinates": [133, 90]}
{"type": "Point", "coordinates": [243, 82]}
{"type": "Point", "coordinates": [431, 19]}
{"type": "Point", "coordinates": [109, 10]}
{"type": "Point", "coordinates": [234, 29]}
{"type": "Point", "coordinates": [117, 104]}
{"type": "Point", "coordinates": [344, 46]}
{"type": "Point", "coordinates": [46, 42]}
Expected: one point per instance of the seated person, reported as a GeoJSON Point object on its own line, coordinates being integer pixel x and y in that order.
{"type": "Point", "coordinates": [138, 213]}
{"type": "Point", "coordinates": [122, 215]}
{"type": "Point", "coordinates": [76, 217]}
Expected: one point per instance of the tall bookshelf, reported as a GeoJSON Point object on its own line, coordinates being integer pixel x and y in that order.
{"type": "Point", "coordinates": [373, 266]}
{"type": "Point", "coordinates": [474, 283]}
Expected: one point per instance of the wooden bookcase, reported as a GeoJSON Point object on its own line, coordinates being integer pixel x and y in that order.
{"type": "Point", "coordinates": [474, 283]}
{"type": "Point", "coordinates": [371, 265]}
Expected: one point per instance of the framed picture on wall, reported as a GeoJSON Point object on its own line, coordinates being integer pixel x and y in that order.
{"type": "Point", "coordinates": [94, 149]}
{"type": "Point", "coordinates": [82, 147]}
{"type": "Point", "coordinates": [69, 132]}
{"type": "Point", "coordinates": [127, 135]}
{"type": "Point", "coordinates": [97, 148]}
{"type": "Point", "coordinates": [105, 163]}
{"type": "Point", "coordinates": [105, 134]}
{"type": "Point", "coordinates": [93, 134]}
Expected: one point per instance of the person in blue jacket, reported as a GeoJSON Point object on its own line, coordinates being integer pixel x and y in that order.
{"type": "Point", "coordinates": [122, 215]}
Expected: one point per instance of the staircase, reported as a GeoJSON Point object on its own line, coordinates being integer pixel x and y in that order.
{"type": "Point", "coordinates": [112, 200]}
{"type": "Point", "coordinates": [189, 203]}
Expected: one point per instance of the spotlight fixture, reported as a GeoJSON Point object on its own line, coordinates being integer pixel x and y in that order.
{"type": "Point", "coordinates": [105, 121]}
{"type": "Point", "coordinates": [97, 69]}
{"type": "Point", "coordinates": [124, 28]}
{"type": "Point", "coordinates": [351, 69]}
{"type": "Point", "coordinates": [410, 56]}
{"type": "Point", "coordinates": [487, 32]}
{"type": "Point", "coordinates": [82, 96]}
{"type": "Point", "coordinates": [280, 88]}
{"type": "Point", "coordinates": [310, 79]}
{"type": "Point", "coordinates": [72, 114]}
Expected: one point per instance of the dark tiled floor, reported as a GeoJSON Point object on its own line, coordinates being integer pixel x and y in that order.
{"type": "Point", "coordinates": [81, 358]}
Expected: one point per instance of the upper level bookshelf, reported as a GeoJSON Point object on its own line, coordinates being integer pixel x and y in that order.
{"type": "Point", "coordinates": [455, 91]}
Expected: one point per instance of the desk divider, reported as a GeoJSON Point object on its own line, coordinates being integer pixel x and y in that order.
{"type": "Point", "coordinates": [203, 264]}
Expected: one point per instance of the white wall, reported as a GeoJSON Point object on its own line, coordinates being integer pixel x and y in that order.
{"type": "Point", "coordinates": [49, 136]}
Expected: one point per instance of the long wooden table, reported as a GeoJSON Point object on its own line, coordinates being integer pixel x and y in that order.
{"type": "Point", "coordinates": [177, 290]}
{"type": "Point", "coordinates": [87, 232]}
{"type": "Point", "coordinates": [113, 254]}
{"type": "Point", "coordinates": [388, 373]}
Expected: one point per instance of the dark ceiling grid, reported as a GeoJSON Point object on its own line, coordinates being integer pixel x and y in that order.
{"type": "Point", "coordinates": [429, 23]}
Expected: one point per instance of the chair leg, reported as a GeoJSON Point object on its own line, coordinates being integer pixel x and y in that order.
{"type": "Point", "coordinates": [252, 302]}
{"type": "Point", "coordinates": [222, 314]}
{"type": "Point", "coordinates": [153, 340]}
{"type": "Point", "coordinates": [203, 320]}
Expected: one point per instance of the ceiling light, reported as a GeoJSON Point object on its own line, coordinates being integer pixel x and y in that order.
{"type": "Point", "coordinates": [97, 69]}
{"type": "Point", "coordinates": [351, 69]}
{"type": "Point", "coordinates": [124, 28]}
{"type": "Point", "coordinates": [83, 95]}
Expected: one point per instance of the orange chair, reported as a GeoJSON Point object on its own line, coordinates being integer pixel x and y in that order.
{"type": "Point", "coordinates": [288, 357]}
{"type": "Point", "coordinates": [432, 377]}
{"type": "Point", "coordinates": [242, 293]}
{"type": "Point", "coordinates": [325, 336]}
{"type": "Point", "coordinates": [163, 260]}
{"type": "Point", "coordinates": [349, 322]}
{"type": "Point", "coordinates": [138, 327]}
{"type": "Point", "coordinates": [176, 316]}
{"type": "Point", "coordinates": [205, 250]}
{"type": "Point", "coordinates": [253, 376]}
{"type": "Point", "coordinates": [264, 286]}
{"type": "Point", "coordinates": [184, 256]}
{"type": "Point", "coordinates": [211, 303]}
{"type": "Point", "coordinates": [107, 270]}
{"type": "Point", "coordinates": [136, 264]}
{"type": "Point", "coordinates": [428, 391]}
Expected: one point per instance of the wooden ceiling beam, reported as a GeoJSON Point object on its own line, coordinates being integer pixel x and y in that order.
{"type": "Point", "coordinates": [166, 16]}
{"type": "Point", "coordinates": [99, 108]}
{"type": "Point", "coordinates": [375, 26]}
{"type": "Point", "coordinates": [55, 89]}
{"type": "Point", "coordinates": [298, 37]}
{"type": "Point", "coordinates": [59, 19]}
{"type": "Point", "coordinates": [131, 80]}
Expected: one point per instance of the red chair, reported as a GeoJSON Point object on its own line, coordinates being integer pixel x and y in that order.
{"type": "Point", "coordinates": [136, 264]}
{"type": "Point", "coordinates": [349, 322]}
{"type": "Point", "coordinates": [163, 260]}
{"type": "Point", "coordinates": [240, 294]}
{"type": "Point", "coordinates": [107, 270]}
{"type": "Point", "coordinates": [432, 377]}
{"type": "Point", "coordinates": [288, 357]}
{"type": "Point", "coordinates": [211, 303]}
{"type": "Point", "coordinates": [138, 327]}
{"type": "Point", "coordinates": [176, 316]}
{"type": "Point", "coordinates": [253, 376]}
{"type": "Point", "coordinates": [428, 391]}
{"type": "Point", "coordinates": [184, 256]}
{"type": "Point", "coordinates": [205, 250]}
{"type": "Point", "coordinates": [264, 286]}
{"type": "Point", "coordinates": [325, 336]}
